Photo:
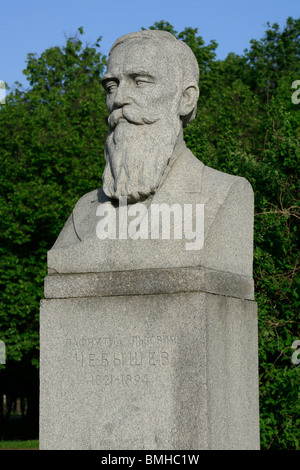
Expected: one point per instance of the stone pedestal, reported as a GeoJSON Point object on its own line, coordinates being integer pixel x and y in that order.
{"type": "Point", "coordinates": [151, 359]}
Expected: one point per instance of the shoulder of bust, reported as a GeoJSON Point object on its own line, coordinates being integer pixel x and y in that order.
{"type": "Point", "coordinates": [220, 183]}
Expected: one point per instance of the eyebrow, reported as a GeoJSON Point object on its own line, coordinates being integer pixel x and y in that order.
{"type": "Point", "coordinates": [137, 72]}
{"type": "Point", "coordinates": [107, 76]}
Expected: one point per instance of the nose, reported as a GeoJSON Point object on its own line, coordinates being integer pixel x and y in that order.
{"type": "Point", "coordinates": [121, 97]}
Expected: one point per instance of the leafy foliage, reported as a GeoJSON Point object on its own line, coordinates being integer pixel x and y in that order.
{"type": "Point", "coordinates": [247, 125]}
{"type": "Point", "coordinates": [52, 139]}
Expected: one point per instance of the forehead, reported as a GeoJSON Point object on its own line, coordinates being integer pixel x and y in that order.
{"type": "Point", "coordinates": [143, 55]}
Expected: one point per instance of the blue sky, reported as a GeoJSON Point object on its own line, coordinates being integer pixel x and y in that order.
{"type": "Point", "coordinates": [35, 25]}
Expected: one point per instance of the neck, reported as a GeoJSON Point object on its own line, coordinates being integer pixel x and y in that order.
{"type": "Point", "coordinates": [179, 146]}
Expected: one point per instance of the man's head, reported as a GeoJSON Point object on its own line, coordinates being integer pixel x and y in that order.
{"type": "Point", "coordinates": [152, 91]}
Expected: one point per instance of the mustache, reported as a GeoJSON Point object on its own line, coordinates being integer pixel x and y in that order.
{"type": "Point", "coordinates": [130, 115]}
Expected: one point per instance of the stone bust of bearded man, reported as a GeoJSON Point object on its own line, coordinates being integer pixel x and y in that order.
{"type": "Point", "coordinates": [151, 84]}
{"type": "Point", "coordinates": [152, 91]}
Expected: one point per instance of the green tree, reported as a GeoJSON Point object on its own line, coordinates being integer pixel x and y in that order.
{"type": "Point", "coordinates": [247, 125]}
{"type": "Point", "coordinates": [275, 56]}
{"type": "Point", "coordinates": [52, 140]}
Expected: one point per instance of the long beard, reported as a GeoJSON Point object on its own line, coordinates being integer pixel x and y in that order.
{"type": "Point", "coordinates": [137, 152]}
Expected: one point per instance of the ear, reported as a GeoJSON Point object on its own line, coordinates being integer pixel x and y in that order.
{"type": "Point", "coordinates": [189, 100]}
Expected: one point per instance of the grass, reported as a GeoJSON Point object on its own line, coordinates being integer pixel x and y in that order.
{"type": "Point", "coordinates": [19, 445]}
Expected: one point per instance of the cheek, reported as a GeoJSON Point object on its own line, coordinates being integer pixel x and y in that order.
{"type": "Point", "coordinates": [167, 98]}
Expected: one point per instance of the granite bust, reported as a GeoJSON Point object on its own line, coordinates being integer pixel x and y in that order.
{"type": "Point", "coordinates": [148, 325]}
{"type": "Point", "coordinates": [152, 90]}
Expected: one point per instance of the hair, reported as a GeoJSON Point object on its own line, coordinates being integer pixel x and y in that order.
{"type": "Point", "coordinates": [187, 59]}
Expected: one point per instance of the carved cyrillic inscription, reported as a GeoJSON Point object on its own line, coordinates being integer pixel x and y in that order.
{"type": "Point", "coordinates": [120, 360]}
{"type": "Point", "coordinates": [121, 379]}
{"type": "Point", "coordinates": [117, 341]}
{"type": "Point", "coordinates": [129, 358]}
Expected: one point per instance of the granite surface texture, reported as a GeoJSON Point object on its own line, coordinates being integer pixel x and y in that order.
{"type": "Point", "coordinates": [174, 371]}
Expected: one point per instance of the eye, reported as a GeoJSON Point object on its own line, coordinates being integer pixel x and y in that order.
{"type": "Point", "coordinates": [110, 87]}
{"type": "Point", "coordinates": [139, 82]}
{"type": "Point", "coordinates": [143, 81]}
